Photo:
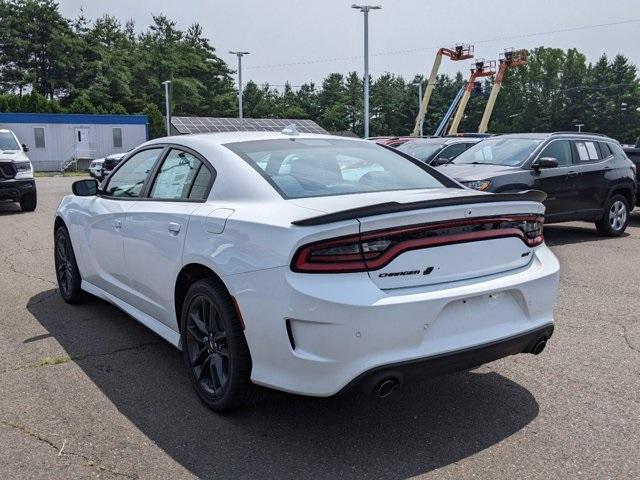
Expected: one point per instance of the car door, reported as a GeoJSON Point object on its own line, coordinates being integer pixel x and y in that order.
{"type": "Point", "coordinates": [106, 220]}
{"type": "Point", "coordinates": [156, 229]}
{"type": "Point", "coordinates": [557, 182]}
{"type": "Point", "coordinates": [590, 185]}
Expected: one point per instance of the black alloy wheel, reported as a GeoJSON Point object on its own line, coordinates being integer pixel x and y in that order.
{"type": "Point", "coordinates": [67, 272]}
{"type": "Point", "coordinates": [207, 346]}
{"type": "Point", "coordinates": [214, 347]}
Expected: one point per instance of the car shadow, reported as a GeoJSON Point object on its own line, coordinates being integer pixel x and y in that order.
{"type": "Point", "coordinates": [563, 234]}
{"type": "Point", "coordinates": [424, 427]}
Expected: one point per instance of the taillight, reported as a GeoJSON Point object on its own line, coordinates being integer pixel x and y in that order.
{"type": "Point", "coordinates": [374, 250]}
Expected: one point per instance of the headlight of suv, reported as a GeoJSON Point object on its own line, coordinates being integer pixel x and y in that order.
{"type": "Point", "coordinates": [24, 170]}
{"type": "Point", "coordinates": [478, 184]}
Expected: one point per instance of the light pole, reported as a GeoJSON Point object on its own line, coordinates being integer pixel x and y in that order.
{"type": "Point", "coordinates": [579, 125]}
{"type": "Point", "coordinates": [365, 9]}
{"type": "Point", "coordinates": [167, 102]}
{"type": "Point", "coordinates": [240, 55]}
{"type": "Point", "coordinates": [419, 84]}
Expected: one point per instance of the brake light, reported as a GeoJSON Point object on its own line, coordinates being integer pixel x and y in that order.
{"type": "Point", "coordinates": [375, 250]}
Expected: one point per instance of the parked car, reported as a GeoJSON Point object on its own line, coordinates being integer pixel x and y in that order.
{"type": "Point", "coordinates": [437, 150]}
{"type": "Point", "coordinates": [633, 154]}
{"type": "Point", "coordinates": [306, 279]}
{"type": "Point", "coordinates": [95, 168]}
{"type": "Point", "coordinates": [586, 176]}
{"type": "Point", "coordinates": [111, 162]}
{"type": "Point", "coordinates": [16, 173]}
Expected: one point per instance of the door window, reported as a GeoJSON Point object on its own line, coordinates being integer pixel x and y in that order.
{"type": "Point", "coordinates": [454, 150]}
{"type": "Point", "coordinates": [587, 151]}
{"type": "Point", "coordinates": [560, 150]}
{"type": "Point", "coordinates": [128, 180]}
{"type": "Point", "coordinates": [181, 177]}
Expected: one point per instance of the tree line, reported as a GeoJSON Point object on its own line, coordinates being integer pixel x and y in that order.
{"type": "Point", "coordinates": [49, 63]}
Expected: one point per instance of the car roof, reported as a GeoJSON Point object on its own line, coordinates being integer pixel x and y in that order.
{"type": "Point", "coordinates": [544, 136]}
{"type": "Point", "coordinates": [444, 140]}
{"type": "Point", "coordinates": [221, 138]}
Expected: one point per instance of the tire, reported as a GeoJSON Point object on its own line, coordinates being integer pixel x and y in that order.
{"type": "Point", "coordinates": [67, 273]}
{"type": "Point", "coordinates": [214, 348]}
{"type": "Point", "coordinates": [29, 201]}
{"type": "Point", "coordinates": [616, 217]}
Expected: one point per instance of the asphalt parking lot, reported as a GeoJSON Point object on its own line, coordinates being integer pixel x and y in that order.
{"type": "Point", "coordinates": [87, 392]}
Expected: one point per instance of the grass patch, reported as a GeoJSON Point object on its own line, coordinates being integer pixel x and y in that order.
{"type": "Point", "coordinates": [57, 360]}
{"type": "Point", "coordinates": [66, 173]}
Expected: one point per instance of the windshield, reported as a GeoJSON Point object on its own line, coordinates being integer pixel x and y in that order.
{"type": "Point", "coordinates": [8, 141]}
{"type": "Point", "coordinates": [306, 167]}
{"type": "Point", "coordinates": [506, 151]}
{"type": "Point", "coordinates": [423, 151]}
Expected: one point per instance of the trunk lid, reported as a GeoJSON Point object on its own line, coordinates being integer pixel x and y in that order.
{"type": "Point", "coordinates": [452, 243]}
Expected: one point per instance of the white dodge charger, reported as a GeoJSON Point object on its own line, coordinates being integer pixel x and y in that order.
{"type": "Point", "coordinates": [308, 263]}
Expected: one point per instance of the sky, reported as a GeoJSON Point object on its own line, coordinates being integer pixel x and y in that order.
{"type": "Point", "coordinates": [302, 41]}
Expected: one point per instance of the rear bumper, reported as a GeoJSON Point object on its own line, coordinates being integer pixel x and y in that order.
{"type": "Point", "coordinates": [436, 365]}
{"type": "Point", "coordinates": [14, 189]}
{"type": "Point", "coordinates": [315, 334]}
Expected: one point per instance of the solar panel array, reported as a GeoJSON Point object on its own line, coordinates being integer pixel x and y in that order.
{"type": "Point", "coordinates": [187, 125]}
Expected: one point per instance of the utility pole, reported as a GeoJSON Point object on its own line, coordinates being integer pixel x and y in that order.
{"type": "Point", "coordinates": [240, 55]}
{"type": "Point", "coordinates": [167, 101]}
{"type": "Point", "coordinates": [421, 122]}
{"type": "Point", "coordinates": [366, 9]}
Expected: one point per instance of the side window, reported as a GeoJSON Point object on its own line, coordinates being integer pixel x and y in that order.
{"type": "Point", "coordinates": [606, 151]}
{"type": "Point", "coordinates": [181, 177]}
{"type": "Point", "coordinates": [587, 151]}
{"type": "Point", "coordinates": [560, 150]}
{"type": "Point", "coordinates": [452, 151]}
{"type": "Point", "coordinates": [38, 133]}
{"type": "Point", "coordinates": [128, 180]}
{"type": "Point", "coordinates": [117, 138]}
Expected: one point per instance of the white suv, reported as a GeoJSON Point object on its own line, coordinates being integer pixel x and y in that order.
{"type": "Point", "coordinates": [16, 173]}
{"type": "Point", "coordinates": [308, 263]}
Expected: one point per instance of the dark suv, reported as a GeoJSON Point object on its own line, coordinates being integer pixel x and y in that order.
{"type": "Point", "coordinates": [586, 176]}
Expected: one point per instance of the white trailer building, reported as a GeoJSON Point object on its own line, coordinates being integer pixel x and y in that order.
{"type": "Point", "coordinates": [58, 140]}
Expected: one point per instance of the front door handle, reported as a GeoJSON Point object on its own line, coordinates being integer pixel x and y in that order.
{"type": "Point", "coordinates": [174, 227]}
{"type": "Point", "coordinates": [573, 174]}
{"type": "Point", "coordinates": [117, 224]}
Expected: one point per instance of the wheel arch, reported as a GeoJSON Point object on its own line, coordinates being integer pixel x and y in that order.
{"type": "Point", "coordinates": [188, 275]}
{"type": "Point", "coordinates": [626, 191]}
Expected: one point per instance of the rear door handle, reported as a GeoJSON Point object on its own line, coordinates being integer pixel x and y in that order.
{"type": "Point", "coordinates": [174, 227]}
{"type": "Point", "coordinates": [117, 224]}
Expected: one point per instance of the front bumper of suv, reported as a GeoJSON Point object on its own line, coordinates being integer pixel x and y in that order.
{"type": "Point", "coordinates": [14, 189]}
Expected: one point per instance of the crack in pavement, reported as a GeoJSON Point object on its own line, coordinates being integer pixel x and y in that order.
{"type": "Point", "coordinates": [59, 449]}
{"type": "Point", "coordinates": [13, 268]}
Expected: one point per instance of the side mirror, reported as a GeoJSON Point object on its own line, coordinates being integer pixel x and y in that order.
{"type": "Point", "coordinates": [544, 162]}
{"type": "Point", "coordinates": [25, 149]}
{"type": "Point", "coordinates": [85, 188]}
{"type": "Point", "coordinates": [440, 161]}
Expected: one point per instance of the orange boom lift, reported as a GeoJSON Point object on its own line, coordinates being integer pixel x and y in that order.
{"type": "Point", "coordinates": [459, 52]}
{"type": "Point", "coordinates": [481, 68]}
{"type": "Point", "coordinates": [509, 59]}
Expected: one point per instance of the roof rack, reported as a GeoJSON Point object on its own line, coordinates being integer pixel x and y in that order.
{"type": "Point", "coordinates": [579, 133]}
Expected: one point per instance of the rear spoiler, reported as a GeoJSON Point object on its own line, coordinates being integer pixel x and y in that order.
{"type": "Point", "coordinates": [393, 207]}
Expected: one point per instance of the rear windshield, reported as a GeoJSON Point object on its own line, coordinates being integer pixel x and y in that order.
{"type": "Point", "coordinates": [508, 151]}
{"type": "Point", "coordinates": [8, 142]}
{"type": "Point", "coordinates": [303, 167]}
